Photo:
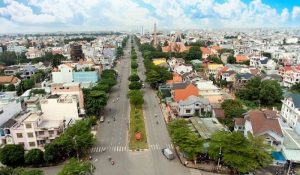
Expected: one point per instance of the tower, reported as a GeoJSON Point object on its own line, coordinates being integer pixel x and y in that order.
{"type": "Point", "coordinates": [142, 31]}
{"type": "Point", "coordinates": [154, 36]}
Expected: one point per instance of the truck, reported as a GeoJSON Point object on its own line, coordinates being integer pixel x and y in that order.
{"type": "Point", "coordinates": [168, 153]}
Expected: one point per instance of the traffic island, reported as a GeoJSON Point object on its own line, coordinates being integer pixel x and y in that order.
{"type": "Point", "coordinates": [137, 131]}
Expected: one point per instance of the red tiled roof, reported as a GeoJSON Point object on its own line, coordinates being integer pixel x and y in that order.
{"type": "Point", "coordinates": [239, 121]}
{"type": "Point", "coordinates": [182, 94]}
{"type": "Point", "coordinates": [176, 79]}
{"type": "Point", "coordinates": [205, 50]}
{"type": "Point", "coordinates": [241, 58]}
{"type": "Point", "coordinates": [262, 123]}
{"type": "Point", "coordinates": [8, 79]}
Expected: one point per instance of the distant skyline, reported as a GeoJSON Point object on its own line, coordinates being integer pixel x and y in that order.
{"type": "Point", "coordinates": [25, 16]}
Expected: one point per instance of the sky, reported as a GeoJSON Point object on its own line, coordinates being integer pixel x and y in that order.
{"type": "Point", "coordinates": [26, 16]}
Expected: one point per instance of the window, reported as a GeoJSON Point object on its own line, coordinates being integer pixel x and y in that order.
{"type": "Point", "coordinates": [51, 132]}
{"type": "Point", "coordinates": [28, 125]}
{"type": "Point", "coordinates": [21, 143]}
{"type": "Point", "coordinates": [31, 144]}
{"type": "Point", "coordinates": [30, 134]}
{"type": "Point", "coordinates": [19, 135]}
{"type": "Point", "coordinates": [41, 132]}
{"type": "Point", "coordinates": [188, 111]}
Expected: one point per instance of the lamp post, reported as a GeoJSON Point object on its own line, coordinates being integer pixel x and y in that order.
{"type": "Point", "coordinates": [74, 138]}
{"type": "Point", "coordinates": [220, 153]}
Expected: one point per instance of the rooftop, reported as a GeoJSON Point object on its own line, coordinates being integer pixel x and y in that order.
{"type": "Point", "coordinates": [207, 126]}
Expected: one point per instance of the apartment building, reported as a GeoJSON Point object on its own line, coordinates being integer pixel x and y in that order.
{"type": "Point", "coordinates": [290, 110]}
{"type": "Point", "coordinates": [31, 130]}
{"type": "Point", "coordinates": [61, 107]}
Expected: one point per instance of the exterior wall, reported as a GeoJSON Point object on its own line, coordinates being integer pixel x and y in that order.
{"type": "Point", "coordinates": [65, 75]}
{"type": "Point", "coordinates": [9, 110]}
{"type": "Point", "coordinates": [91, 76]}
{"type": "Point", "coordinates": [289, 113]}
{"type": "Point", "coordinates": [73, 90]}
{"type": "Point", "coordinates": [193, 107]}
{"type": "Point", "coordinates": [248, 128]}
{"type": "Point", "coordinates": [53, 110]}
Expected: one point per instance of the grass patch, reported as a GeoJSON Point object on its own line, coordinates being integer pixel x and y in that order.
{"type": "Point", "coordinates": [137, 124]}
{"type": "Point", "coordinates": [133, 71]}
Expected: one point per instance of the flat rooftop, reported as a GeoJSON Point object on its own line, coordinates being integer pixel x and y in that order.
{"type": "Point", "coordinates": [49, 124]}
{"type": "Point", "coordinates": [32, 117]}
{"type": "Point", "coordinates": [207, 126]}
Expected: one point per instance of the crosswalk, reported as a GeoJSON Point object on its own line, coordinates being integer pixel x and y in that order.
{"type": "Point", "coordinates": [195, 172]}
{"type": "Point", "coordinates": [159, 147]}
{"type": "Point", "coordinates": [99, 149]}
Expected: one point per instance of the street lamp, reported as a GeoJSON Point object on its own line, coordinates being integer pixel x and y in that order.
{"type": "Point", "coordinates": [74, 138]}
{"type": "Point", "coordinates": [220, 153]}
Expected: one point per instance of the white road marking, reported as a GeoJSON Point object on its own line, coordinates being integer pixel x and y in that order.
{"type": "Point", "coordinates": [195, 172]}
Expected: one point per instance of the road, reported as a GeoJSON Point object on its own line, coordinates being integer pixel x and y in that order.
{"type": "Point", "coordinates": [112, 136]}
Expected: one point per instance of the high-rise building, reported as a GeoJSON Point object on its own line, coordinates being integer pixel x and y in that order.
{"type": "Point", "coordinates": [76, 52]}
{"type": "Point", "coordinates": [142, 31]}
{"type": "Point", "coordinates": [154, 36]}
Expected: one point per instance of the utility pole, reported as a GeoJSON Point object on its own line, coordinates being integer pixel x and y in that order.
{"type": "Point", "coordinates": [74, 138]}
{"type": "Point", "coordinates": [220, 152]}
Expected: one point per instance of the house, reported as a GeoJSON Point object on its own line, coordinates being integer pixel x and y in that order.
{"type": "Point", "coordinates": [206, 52]}
{"type": "Point", "coordinates": [206, 127]}
{"type": "Point", "coordinates": [262, 123]}
{"type": "Point", "coordinates": [31, 130]}
{"type": "Point", "coordinates": [181, 91]}
{"type": "Point", "coordinates": [173, 62]}
{"type": "Point", "coordinates": [290, 110]}
{"type": "Point", "coordinates": [213, 69]}
{"type": "Point", "coordinates": [159, 61]}
{"type": "Point", "coordinates": [183, 68]}
{"type": "Point", "coordinates": [228, 76]}
{"type": "Point", "coordinates": [209, 91]}
{"type": "Point", "coordinates": [61, 107]}
{"type": "Point", "coordinates": [290, 75]}
{"type": "Point", "coordinates": [69, 89]}
{"type": "Point", "coordinates": [9, 107]}
{"type": "Point", "coordinates": [7, 80]}
{"type": "Point", "coordinates": [176, 79]}
{"type": "Point", "coordinates": [34, 53]}
{"type": "Point", "coordinates": [291, 144]}
{"type": "Point", "coordinates": [63, 74]}
{"type": "Point", "coordinates": [11, 70]}
{"type": "Point", "coordinates": [193, 105]}
{"type": "Point", "coordinates": [241, 58]}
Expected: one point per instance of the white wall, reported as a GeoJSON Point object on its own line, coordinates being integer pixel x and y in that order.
{"type": "Point", "coordinates": [64, 76]}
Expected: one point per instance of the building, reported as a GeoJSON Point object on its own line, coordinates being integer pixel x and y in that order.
{"type": "Point", "coordinates": [193, 105]}
{"type": "Point", "coordinates": [76, 52]}
{"type": "Point", "coordinates": [290, 110]}
{"type": "Point", "coordinates": [31, 130]}
{"type": "Point", "coordinates": [261, 123]}
{"type": "Point", "coordinates": [181, 91]}
{"type": "Point", "coordinates": [183, 69]}
{"type": "Point", "coordinates": [7, 80]}
{"type": "Point", "coordinates": [9, 107]}
{"type": "Point", "coordinates": [206, 127]}
{"type": "Point", "coordinates": [61, 107]}
{"type": "Point", "coordinates": [34, 53]}
{"type": "Point", "coordinates": [290, 75]}
{"type": "Point", "coordinates": [15, 48]}
{"type": "Point", "coordinates": [209, 91]}
{"type": "Point", "coordinates": [69, 89]}
{"type": "Point", "coordinates": [213, 69]}
{"type": "Point", "coordinates": [62, 74]}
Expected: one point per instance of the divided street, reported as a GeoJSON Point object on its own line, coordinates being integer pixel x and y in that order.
{"type": "Point", "coordinates": [112, 136]}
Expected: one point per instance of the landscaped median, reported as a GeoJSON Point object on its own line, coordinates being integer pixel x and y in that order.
{"type": "Point", "coordinates": [137, 131]}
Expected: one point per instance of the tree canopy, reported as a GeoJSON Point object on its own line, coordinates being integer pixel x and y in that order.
{"type": "Point", "coordinates": [34, 157]}
{"type": "Point", "coordinates": [231, 59]}
{"type": "Point", "coordinates": [194, 54]}
{"type": "Point", "coordinates": [136, 97]}
{"type": "Point", "coordinates": [12, 155]}
{"type": "Point", "coordinates": [75, 167]}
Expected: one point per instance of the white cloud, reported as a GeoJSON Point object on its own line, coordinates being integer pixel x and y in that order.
{"type": "Point", "coordinates": [296, 12]}
{"type": "Point", "coordinates": [128, 14]}
{"type": "Point", "coordinates": [20, 13]}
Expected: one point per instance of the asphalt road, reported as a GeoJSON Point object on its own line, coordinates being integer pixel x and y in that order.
{"type": "Point", "coordinates": [112, 136]}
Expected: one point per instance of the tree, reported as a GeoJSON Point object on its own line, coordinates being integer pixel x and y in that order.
{"type": "Point", "coordinates": [267, 54]}
{"type": "Point", "coordinates": [75, 167]}
{"type": "Point", "coordinates": [12, 155]}
{"type": "Point", "coordinates": [135, 85]}
{"type": "Point", "coordinates": [232, 108]}
{"type": "Point", "coordinates": [134, 77]}
{"type": "Point", "coordinates": [194, 53]}
{"type": "Point", "coordinates": [34, 157]}
{"type": "Point", "coordinates": [95, 101]}
{"type": "Point", "coordinates": [166, 43]}
{"type": "Point", "coordinates": [19, 171]}
{"type": "Point", "coordinates": [295, 88]}
{"type": "Point", "coordinates": [270, 92]}
{"type": "Point", "coordinates": [11, 87]}
{"type": "Point", "coordinates": [119, 52]}
{"type": "Point", "coordinates": [251, 90]}
{"type": "Point", "coordinates": [216, 60]}
{"type": "Point", "coordinates": [157, 75]}
{"type": "Point", "coordinates": [238, 152]}
{"type": "Point", "coordinates": [193, 146]}
{"type": "Point", "coordinates": [135, 97]}
{"type": "Point", "coordinates": [134, 65]}
{"type": "Point", "coordinates": [231, 59]}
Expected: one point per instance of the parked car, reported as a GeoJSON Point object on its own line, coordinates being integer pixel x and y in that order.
{"type": "Point", "coordinates": [168, 153]}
